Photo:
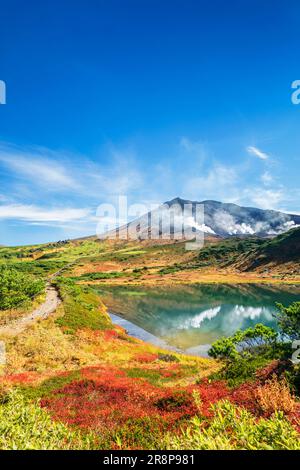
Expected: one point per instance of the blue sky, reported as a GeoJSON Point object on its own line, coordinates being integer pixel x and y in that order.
{"type": "Point", "coordinates": [152, 99]}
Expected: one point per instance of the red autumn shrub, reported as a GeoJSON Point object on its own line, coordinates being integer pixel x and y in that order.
{"type": "Point", "coordinates": [294, 417]}
{"type": "Point", "coordinates": [244, 396]}
{"type": "Point", "coordinates": [172, 371]}
{"type": "Point", "coordinates": [22, 378]}
{"type": "Point", "coordinates": [110, 334]}
{"type": "Point", "coordinates": [146, 357]}
{"type": "Point", "coordinates": [168, 373]}
{"type": "Point", "coordinates": [105, 399]}
{"type": "Point", "coordinates": [268, 371]}
{"type": "Point", "coordinates": [210, 393]}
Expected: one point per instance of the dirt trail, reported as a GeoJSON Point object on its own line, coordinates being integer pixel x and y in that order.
{"type": "Point", "coordinates": [41, 312]}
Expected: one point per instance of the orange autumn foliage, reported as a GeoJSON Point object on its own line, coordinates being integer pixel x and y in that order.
{"type": "Point", "coordinates": [275, 395]}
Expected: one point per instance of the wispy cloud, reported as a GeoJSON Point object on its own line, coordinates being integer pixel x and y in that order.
{"type": "Point", "coordinates": [219, 181]}
{"type": "Point", "coordinates": [38, 165]}
{"type": "Point", "coordinates": [32, 213]}
{"type": "Point", "coordinates": [58, 171]}
{"type": "Point", "coordinates": [120, 176]}
{"type": "Point", "coordinates": [267, 178]}
{"type": "Point", "coordinates": [192, 145]}
{"type": "Point", "coordinates": [256, 152]}
{"type": "Point", "coordinates": [51, 188]}
{"type": "Point", "coordinates": [265, 198]}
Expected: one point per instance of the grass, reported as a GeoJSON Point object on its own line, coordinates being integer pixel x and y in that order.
{"type": "Point", "coordinates": [25, 426]}
{"type": "Point", "coordinates": [151, 262]}
{"type": "Point", "coordinates": [48, 386]}
{"type": "Point", "coordinates": [81, 308]}
{"type": "Point", "coordinates": [153, 376]}
{"type": "Point", "coordinates": [233, 428]}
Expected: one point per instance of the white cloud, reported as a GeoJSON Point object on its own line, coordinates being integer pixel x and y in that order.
{"type": "Point", "coordinates": [31, 174]}
{"type": "Point", "coordinates": [37, 166]}
{"type": "Point", "coordinates": [39, 170]}
{"type": "Point", "coordinates": [186, 144]}
{"type": "Point", "coordinates": [32, 213]}
{"type": "Point", "coordinates": [266, 178]}
{"type": "Point", "coordinates": [197, 150]}
{"type": "Point", "coordinates": [256, 152]}
{"type": "Point", "coordinates": [266, 198]}
{"type": "Point", "coordinates": [121, 178]}
{"type": "Point", "coordinates": [217, 182]}
{"type": "Point", "coordinates": [190, 145]}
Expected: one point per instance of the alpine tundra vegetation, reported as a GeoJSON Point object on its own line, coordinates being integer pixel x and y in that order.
{"type": "Point", "coordinates": [74, 380]}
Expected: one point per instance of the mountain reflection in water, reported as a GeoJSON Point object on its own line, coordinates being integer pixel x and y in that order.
{"type": "Point", "coordinates": [192, 317]}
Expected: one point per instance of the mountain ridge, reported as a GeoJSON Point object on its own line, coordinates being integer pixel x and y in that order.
{"type": "Point", "coordinates": [220, 220]}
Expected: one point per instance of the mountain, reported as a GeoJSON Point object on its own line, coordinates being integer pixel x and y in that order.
{"type": "Point", "coordinates": [281, 250]}
{"type": "Point", "coordinates": [220, 220]}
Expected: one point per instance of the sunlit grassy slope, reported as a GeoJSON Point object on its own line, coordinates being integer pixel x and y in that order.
{"type": "Point", "coordinates": [77, 381]}
{"type": "Point", "coordinates": [150, 261]}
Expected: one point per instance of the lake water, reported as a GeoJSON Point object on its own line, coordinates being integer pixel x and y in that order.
{"type": "Point", "coordinates": [190, 318]}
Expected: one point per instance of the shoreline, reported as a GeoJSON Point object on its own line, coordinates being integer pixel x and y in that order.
{"type": "Point", "coordinates": [139, 333]}
{"type": "Point", "coordinates": [204, 280]}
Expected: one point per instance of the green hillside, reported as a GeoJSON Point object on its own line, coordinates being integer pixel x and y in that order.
{"type": "Point", "coordinates": [281, 250]}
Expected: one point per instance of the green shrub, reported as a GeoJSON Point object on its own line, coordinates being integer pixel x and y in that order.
{"type": "Point", "coordinates": [153, 376]}
{"type": "Point", "coordinates": [35, 392]}
{"type": "Point", "coordinates": [169, 270]}
{"type": "Point", "coordinates": [288, 320]}
{"type": "Point", "coordinates": [292, 375]}
{"type": "Point", "coordinates": [240, 370]}
{"type": "Point", "coordinates": [228, 251]}
{"type": "Point", "coordinates": [257, 340]}
{"type": "Point", "coordinates": [168, 357]}
{"type": "Point", "coordinates": [17, 288]}
{"type": "Point", "coordinates": [246, 351]}
{"type": "Point", "coordinates": [99, 276]}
